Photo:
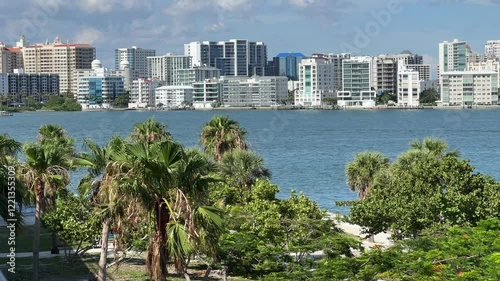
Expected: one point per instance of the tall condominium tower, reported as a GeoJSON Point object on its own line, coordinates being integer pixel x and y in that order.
{"type": "Point", "coordinates": [137, 58]}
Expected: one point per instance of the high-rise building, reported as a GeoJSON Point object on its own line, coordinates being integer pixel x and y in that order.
{"type": "Point", "coordinates": [99, 88]}
{"type": "Point", "coordinates": [10, 58]}
{"type": "Point", "coordinates": [285, 64]}
{"type": "Point", "coordinates": [453, 56]}
{"type": "Point", "coordinates": [137, 58]}
{"type": "Point", "coordinates": [263, 91]}
{"type": "Point", "coordinates": [142, 92]}
{"type": "Point", "coordinates": [164, 67]}
{"type": "Point", "coordinates": [316, 79]}
{"type": "Point", "coordinates": [235, 57]}
{"type": "Point", "coordinates": [336, 60]}
{"type": "Point", "coordinates": [408, 87]}
{"type": "Point", "coordinates": [59, 58]}
{"type": "Point", "coordinates": [196, 74]}
{"type": "Point", "coordinates": [357, 82]}
{"type": "Point", "coordinates": [468, 88]}
{"type": "Point", "coordinates": [492, 48]}
{"type": "Point", "coordinates": [424, 70]}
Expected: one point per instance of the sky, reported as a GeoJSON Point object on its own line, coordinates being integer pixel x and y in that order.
{"type": "Point", "coordinates": [362, 27]}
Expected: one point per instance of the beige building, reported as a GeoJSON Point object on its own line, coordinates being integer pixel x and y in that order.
{"type": "Point", "coordinates": [10, 59]}
{"type": "Point", "coordinates": [60, 58]}
{"type": "Point", "coordinates": [467, 88]}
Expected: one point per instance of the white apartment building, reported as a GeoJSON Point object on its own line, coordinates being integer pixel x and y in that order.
{"type": "Point", "coordinates": [467, 88]}
{"type": "Point", "coordinates": [408, 87]}
{"type": "Point", "coordinates": [164, 67]}
{"type": "Point", "coordinates": [206, 93]}
{"type": "Point", "coordinates": [336, 60]}
{"type": "Point", "coordinates": [317, 81]}
{"type": "Point", "coordinates": [124, 72]}
{"type": "Point", "coordinates": [99, 88]}
{"type": "Point", "coordinates": [357, 83]}
{"type": "Point", "coordinates": [142, 93]}
{"type": "Point", "coordinates": [488, 65]}
{"type": "Point", "coordinates": [137, 59]}
{"type": "Point", "coordinates": [196, 74]}
{"type": "Point", "coordinates": [257, 91]}
{"type": "Point", "coordinates": [59, 58]}
{"type": "Point", "coordinates": [235, 57]}
{"type": "Point", "coordinates": [492, 48]}
{"type": "Point", "coordinates": [173, 96]}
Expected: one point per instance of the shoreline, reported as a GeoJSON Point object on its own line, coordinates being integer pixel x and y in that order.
{"type": "Point", "coordinates": [477, 107]}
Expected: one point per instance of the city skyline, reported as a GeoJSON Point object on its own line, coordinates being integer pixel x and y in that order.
{"type": "Point", "coordinates": [307, 26]}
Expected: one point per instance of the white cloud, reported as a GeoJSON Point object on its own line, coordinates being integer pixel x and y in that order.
{"type": "Point", "coordinates": [88, 35]}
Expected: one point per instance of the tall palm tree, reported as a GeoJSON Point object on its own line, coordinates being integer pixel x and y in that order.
{"type": "Point", "coordinates": [8, 152]}
{"type": "Point", "coordinates": [55, 137]}
{"type": "Point", "coordinates": [242, 168]}
{"type": "Point", "coordinates": [150, 131]}
{"type": "Point", "coordinates": [148, 170]}
{"type": "Point", "coordinates": [221, 135]}
{"type": "Point", "coordinates": [361, 172]}
{"type": "Point", "coordinates": [42, 172]}
{"type": "Point", "coordinates": [102, 185]}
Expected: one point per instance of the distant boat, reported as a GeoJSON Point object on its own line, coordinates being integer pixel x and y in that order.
{"type": "Point", "coordinates": [6, 113]}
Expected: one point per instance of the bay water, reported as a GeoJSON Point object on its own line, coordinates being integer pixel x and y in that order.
{"type": "Point", "coordinates": [306, 150]}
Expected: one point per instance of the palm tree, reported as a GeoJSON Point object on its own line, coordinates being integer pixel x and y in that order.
{"type": "Point", "coordinates": [150, 131]}
{"type": "Point", "coordinates": [436, 147]}
{"type": "Point", "coordinates": [55, 137]}
{"type": "Point", "coordinates": [221, 135]}
{"type": "Point", "coordinates": [102, 185]}
{"type": "Point", "coordinates": [8, 151]}
{"type": "Point", "coordinates": [242, 168]}
{"type": "Point", "coordinates": [42, 172]}
{"type": "Point", "coordinates": [361, 172]}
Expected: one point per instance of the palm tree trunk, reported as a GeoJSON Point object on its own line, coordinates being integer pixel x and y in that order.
{"type": "Point", "coordinates": [104, 250]}
{"type": "Point", "coordinates": [157, 252]}
{"type": "Point", "coordinates": [36, 238]}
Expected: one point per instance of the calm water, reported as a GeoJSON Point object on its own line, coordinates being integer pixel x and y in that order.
{"type": "Point", "coordinates": [305, 150]}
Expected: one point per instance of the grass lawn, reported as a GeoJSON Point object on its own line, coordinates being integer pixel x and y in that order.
{"type": "Point", "coordinates": [24, 240]}
{"type": "Point", "coordinates": [58, 269]}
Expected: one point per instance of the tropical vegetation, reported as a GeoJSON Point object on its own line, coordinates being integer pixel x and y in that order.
{"type": "Point", "coordinates": [215, 208]}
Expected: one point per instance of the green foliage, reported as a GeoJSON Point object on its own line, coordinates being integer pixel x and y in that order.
{"type": "Point", "coordinates": [429, 96]}
{"type": "Point", "coordinates": [59, 103]}
{"type": "Point", "coordinates": [426, 187]}
{"type": "Point", "coordinates": [73, 222]}
{"type": "Point", "coordinates": [385, 97]}
{"type": "Point", "coordinates": [121, 101]}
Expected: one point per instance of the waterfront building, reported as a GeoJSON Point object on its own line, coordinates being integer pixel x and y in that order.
{"type": "Point", "coordinates": [492, 48]}
{"type": "Point", "coordinates": [189, 76]}
{"type": "Point", "coordinates": [285, 64]}
{"type": "Point", "coordinates": [336, 60]}
{"type": "Point", "coordinates": [316, 79]}
{"type": "Point", "coordinates": [137, 59]}
{"type": "Point", "coordinates": [124, 72]}
{"type": "Point", "coordinates": [206, 93]}
{"type": "Point", "coordinates": [488, 65]}
{"type": "Point", "coordinates": [467, 88]}
{"type": "Point", "coordinates": [164, 67]}
{"type": "Point", "coordinates": [453, 56]}
{"type": "Point", "coordinates": [59, 58]}
{"type": "Point", "coordinates": [99, 87]}
{"type": "Point", "coordinates": [22, 86]}
{"type": "Point", "coordinates": [424, 70]}
{"type": "Point", "coordinates": [408, 87]}
{"type": "Point", "coordinates": [236, 57]}
{"type": "Point", "coordinates": [173, 96]}
{"type": "Point", "coordinates": [142, 92]}
{"type": "Point", "coordinates": [257, 91]}
{"type": "Point", "coordinates": [357, 83]}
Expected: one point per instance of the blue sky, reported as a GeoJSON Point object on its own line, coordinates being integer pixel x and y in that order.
{"type": "Point", "coordinates": [307, 26]}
